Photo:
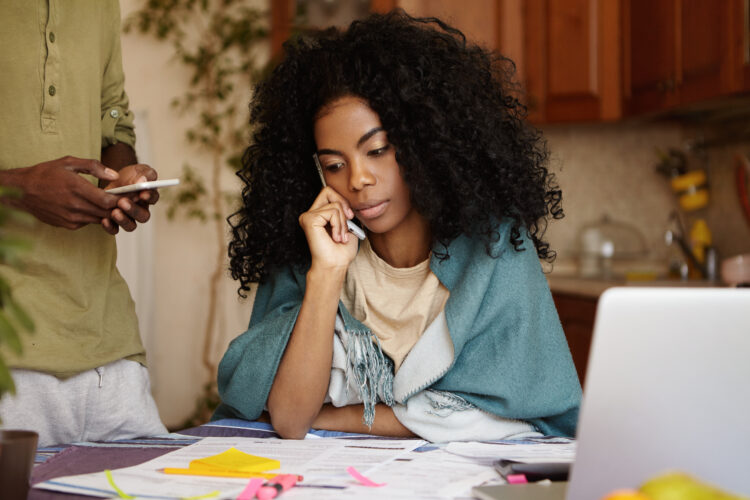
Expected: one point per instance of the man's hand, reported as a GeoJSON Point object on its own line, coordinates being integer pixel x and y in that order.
{"type": "Point", "coordinates": [54, 193]}
{"type": "Point", "coordinates": [132, 208]}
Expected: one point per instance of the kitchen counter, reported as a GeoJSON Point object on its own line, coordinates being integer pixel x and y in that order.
{"type": "Point", "coordinates": [576, 300]}
{"type": "Point", "coordinates": [593, 287]}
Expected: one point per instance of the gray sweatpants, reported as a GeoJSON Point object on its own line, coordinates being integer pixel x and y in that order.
{"type": "Point", "coordinates": [107, 403]}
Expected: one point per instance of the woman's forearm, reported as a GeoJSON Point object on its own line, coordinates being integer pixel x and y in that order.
{"type": "Point", "coordinates": [349, 419]}
{"type": "Point", "coordinates": [302, 379]}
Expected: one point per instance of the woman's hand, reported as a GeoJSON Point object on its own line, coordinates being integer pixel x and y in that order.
{"type": "Point", "coordinates": [301, 381]}
{"type": "Point", "coordinates": [324, 224]}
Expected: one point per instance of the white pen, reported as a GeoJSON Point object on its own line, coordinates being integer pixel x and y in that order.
{"type": "Point", "coordinates": [353, 228]}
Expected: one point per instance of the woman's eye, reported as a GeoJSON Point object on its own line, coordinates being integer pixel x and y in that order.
{"type": "Point", "coordinates": [333, 167]}
{"type": "Point", "coordinates": [378, 151]}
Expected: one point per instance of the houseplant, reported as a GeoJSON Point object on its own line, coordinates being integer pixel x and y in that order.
{"type": "Point", "coordinates": [16, 447]}
{"type": "Point", "coordinates": [13, 319]}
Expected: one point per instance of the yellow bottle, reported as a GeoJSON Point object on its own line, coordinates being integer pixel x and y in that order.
{"type": "Point", "coordinates": [700, 241]}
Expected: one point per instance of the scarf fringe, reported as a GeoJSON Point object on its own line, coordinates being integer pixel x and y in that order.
{"type": "Point", "coordinates": [371, 370]}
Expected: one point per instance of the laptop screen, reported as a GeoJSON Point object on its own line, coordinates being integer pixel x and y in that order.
{"type": "Point", "coordinates": [667, 388]}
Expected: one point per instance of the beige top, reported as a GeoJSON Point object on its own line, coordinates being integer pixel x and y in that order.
{"type": "Point", "coordinates": [62, 93]}
{"type": "Point", "coordinates": [397, 304]}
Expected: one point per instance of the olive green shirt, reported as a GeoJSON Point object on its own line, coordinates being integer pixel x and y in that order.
{"type": "Point", "coordinates": [62, 93]}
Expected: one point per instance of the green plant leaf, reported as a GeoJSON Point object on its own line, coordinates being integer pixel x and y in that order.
{"type": "Point", "coordinates": [6, 380]}
{"type": "Point", "coordinates": [8, 334]}
{"type": "Point", "coordinates": [20, 316]}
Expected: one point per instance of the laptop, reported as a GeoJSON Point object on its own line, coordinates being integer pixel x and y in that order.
{"type": "Point", "coordinates": [667, 388]}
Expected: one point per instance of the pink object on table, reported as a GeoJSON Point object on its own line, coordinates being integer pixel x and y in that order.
{"type": "Point", "coordinates": [251, 489]}
{"type": "Point", "coordinates": [362, 479]}
{"type": "Point", "coordinates": [280, 483]}
{"type": "Point", "coordinates": [516, 479]}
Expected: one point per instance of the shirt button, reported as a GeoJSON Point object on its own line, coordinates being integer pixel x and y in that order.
{"type": "Point", "coordinates": [52, 37]}
{"type": "Point", "coordinates": [114, 113]}
{"type": "Point", "coordinates": [52, 90]}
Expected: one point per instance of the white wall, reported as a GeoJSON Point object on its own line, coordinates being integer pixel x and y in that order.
{"type": "Point", "coordinates": [183, 252]}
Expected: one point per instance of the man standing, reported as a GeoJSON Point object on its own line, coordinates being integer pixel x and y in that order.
{"type": "Point", "coordinates": [81, 375]}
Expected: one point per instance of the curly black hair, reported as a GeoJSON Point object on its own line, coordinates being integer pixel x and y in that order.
{"type": "Point", "coordinates": [450, 110]}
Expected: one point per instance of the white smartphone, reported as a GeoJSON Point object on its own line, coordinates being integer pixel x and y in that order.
{"type": "Point", "coordinates": [140, 186]}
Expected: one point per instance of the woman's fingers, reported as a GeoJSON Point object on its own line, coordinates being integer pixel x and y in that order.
{"type": "Point", "coordinates": [331, 214]}
{"type": "Point", "coordinates": [329, 199]}
{"type": "Point", "coordinates": [329, 195]}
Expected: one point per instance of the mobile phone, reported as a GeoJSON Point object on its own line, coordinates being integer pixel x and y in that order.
{"type": "Point", "coordinates": [140, 186]}
{"type": "Point", "coordinates": [353, 228]}
{"type": "Point", "coordinates": [534, 471]}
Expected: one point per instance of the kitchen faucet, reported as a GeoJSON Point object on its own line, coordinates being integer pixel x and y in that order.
{"type": "Point", "coordinates": [676, 234]}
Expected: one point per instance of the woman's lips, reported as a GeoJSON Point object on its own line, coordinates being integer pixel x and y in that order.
{"type": "Point", "coordinates": [370, 211]}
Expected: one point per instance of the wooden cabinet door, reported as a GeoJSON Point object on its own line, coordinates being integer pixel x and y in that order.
{"type": "Point", "coordinates": [573, 59]}
{"type": "Point", "coordinates": [740, 22]}
{"type": "Point", "coordinates": [651, 44]}
{"type": "Point", "coordinates": [678, 52]}
{"type": "Point", "coordinates": [282, 14]}
{"type": "Point", "coordinates": [705, 55]}
{"type": "Point", "coordinates": [477, 19]}
{"type": "Point", "coordinates": [577, 317]}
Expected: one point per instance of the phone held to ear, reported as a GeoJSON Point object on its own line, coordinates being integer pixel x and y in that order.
{"type": "Point", "coordinates": [353, 228]}
{"type": "Point", "coordinates": [140, 186]}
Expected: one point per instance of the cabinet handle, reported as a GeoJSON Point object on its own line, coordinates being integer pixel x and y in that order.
{"type": "Point", "coordinates": [667, 85]}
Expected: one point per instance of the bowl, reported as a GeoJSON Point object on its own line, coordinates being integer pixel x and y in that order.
{"type": "Point", "coordinates": [735, 271]}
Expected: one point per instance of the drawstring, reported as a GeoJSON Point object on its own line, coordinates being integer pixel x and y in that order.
{"type": "Point", "coordinates": [100, 372]}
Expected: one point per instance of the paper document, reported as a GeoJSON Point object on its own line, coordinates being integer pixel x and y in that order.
{"type": "Point", "coordinates": [558, 450]}
{"type": "Point", "coordinates": [409, 469]}
{"type": "Point", "coordinates": [322, 462]}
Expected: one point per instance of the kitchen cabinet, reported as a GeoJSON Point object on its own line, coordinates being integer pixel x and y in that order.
{"type": "Point", "coordinates": [599, 60]}
{"type": "Point", "coordinates": [596, 60]}
{"type": "Point", "coordinates": [577, 314]}
{"type": "Point", "coordinates": [678, 52]}
{"type": "Point", "coordinates": [494, 24]}
{"type": "Point", "coordinates": [741, 43]}
{"type": "Point", "coordinates": [282, 14]}
{"type": "Point", "coordinates": [573, 60]}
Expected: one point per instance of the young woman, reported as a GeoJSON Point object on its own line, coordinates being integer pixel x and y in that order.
{"type": "Point", "coordinates": [440, 323]}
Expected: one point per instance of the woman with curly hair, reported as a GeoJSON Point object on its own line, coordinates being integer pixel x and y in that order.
{"type": "Point", "coordinates": [440, 323]}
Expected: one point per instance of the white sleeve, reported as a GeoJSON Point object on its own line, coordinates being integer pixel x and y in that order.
{"type": "Point", "coordinates": [440, 416]}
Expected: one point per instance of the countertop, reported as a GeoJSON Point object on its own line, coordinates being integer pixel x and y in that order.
{"type": "Point", "coordinates": [593, 287]}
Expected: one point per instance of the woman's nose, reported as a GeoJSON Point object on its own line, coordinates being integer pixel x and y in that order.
{"type": "Point", "coordinates": [360, 175]}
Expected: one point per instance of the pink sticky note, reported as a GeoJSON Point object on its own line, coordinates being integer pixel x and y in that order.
{"type": "Point", "coordinates": [251, 489]}
{"type": "Point", "coordinates": [516, 479]}
{"type": "Point", "coordinates": [362, 479]}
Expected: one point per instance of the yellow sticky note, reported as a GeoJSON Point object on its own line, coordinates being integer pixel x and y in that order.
{"type": "Point", "coordinates": [236, 460]}
{"type": "Point", "coordinates": [230, 463]}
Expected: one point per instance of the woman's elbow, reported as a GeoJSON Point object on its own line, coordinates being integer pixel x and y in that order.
{"type": "Point", "coordinates": [288, 423]}
{"type": "Point", "coordinates": [288, 428]}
